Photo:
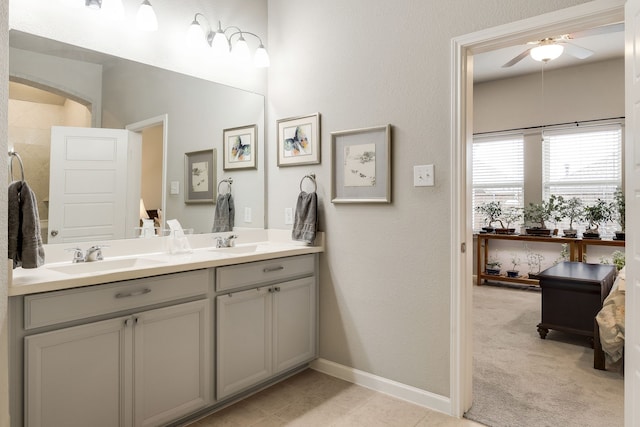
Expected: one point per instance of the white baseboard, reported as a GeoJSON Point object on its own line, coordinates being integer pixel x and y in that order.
{"type": "Point", "coordinates": [383, 385]}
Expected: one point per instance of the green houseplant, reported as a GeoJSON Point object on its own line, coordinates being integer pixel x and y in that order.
{"type": "Point", "coordinates": [491, 212]}
{"type": "Point", "coordinates": [537, 214]}
{"type": "Point", "coordinates": [571, 209]}
{"type": "Point", "coordinates": [596, 214]}
{"type": "Point", "coordinates": [493, 265]}
{"type": "Point", "coordinates": [618, 212]}
{"type": "Point", "coordinates": [508, 217]}
{"type": "Point", "coordinates": [515, 262]}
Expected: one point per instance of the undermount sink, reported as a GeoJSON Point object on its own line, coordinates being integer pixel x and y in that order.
{"type": "Point", "coordinates": [105, 265]}
{"type": "Point", "coordinates": [244, 249]}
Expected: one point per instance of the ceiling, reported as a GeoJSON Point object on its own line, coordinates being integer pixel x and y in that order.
{"type": "Point", "coordinates": [487, 66]}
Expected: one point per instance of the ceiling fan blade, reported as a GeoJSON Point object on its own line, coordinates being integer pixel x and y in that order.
{"type": "Point", "coordinates": [604, 29]}
{"type": "Point", "coordinates": [517, 59]}
{"type": "Point", "coordinates": [577, 51]}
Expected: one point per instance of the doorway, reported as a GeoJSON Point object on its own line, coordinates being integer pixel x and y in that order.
{"type": "Point", "coordinates": [590, 14]}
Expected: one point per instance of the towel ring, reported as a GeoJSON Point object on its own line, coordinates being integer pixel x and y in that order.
{"type": "Point", "coordinates": [312, 177]}
{"type": "Point", "coordinates": [229, 181]}
{"type": "Point", "coordinates": [13, 154]}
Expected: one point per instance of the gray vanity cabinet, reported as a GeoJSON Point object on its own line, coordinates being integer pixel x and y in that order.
{"type": "Point", "coordinates": [269, 326]}
{"type": "Point", "coordinates": [146, 367]}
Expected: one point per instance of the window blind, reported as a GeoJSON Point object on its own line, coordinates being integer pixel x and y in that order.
{"type": "Point", "coordinates": [583, 163]}
{"type": "Point", "coordinates": [498, 172]}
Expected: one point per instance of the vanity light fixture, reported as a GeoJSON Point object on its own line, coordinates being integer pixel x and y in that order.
{"type": "Point", "coordinates": [546, 51]}
{"type": "Point", "coordinates": [93, 4]}
{"type": "Point", "coordinates": [146, 18]}
{"type": "Point", "coordinates": [223, 45]}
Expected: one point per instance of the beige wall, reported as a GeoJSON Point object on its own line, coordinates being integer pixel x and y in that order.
{"type": "Point", "coordinates": [385, 278]}
{"type": "Point", "coordinates": [151, 182]}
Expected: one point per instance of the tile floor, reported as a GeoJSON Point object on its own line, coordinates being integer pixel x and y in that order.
{"type": "Point", "coordinates": [311, 398]}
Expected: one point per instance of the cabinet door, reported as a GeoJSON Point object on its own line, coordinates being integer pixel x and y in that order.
{"type": "Point", "coordinates": [243, 340]}
{"type": "Point", "coordinates": [294, 323]}
{"type": "Point", "coordinates": [172, 369]}
{"type": "Point", "coordinates": [79, 376]}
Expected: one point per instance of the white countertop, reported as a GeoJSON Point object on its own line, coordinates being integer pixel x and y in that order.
{"type": "Point", "coordinates": [136, 258]}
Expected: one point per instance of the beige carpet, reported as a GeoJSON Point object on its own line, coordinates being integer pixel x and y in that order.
{"type": "Point", "coordinates": [522, 380]}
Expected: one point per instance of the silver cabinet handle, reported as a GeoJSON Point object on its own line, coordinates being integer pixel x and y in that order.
{"type": "Point", "coordinates": [272, 269]}
{"type": "Point", "coordinates": [133, 294]}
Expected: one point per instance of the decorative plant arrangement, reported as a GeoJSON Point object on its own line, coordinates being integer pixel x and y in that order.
{"type": "Point", "coordinates": [617, 259]}
{"type": "Point", "coordinates": [534, 261]}
{"type": "Point", "coordinates": [618, 212]}
{"type": "Point", "coordinates": [536, 215]}
{"type": "Point", "coordinates": [596, 214]}
{"type": "Point", "coordinates": [571, 209]}
{"type": "Point", "coordinates": [508, 217]}
{"type": "Point", "coordinates": [493, 265]}
{"type": "Point", "coordinates": [515, 262]}
{"type": "Point", "coordinates": [491, 212]}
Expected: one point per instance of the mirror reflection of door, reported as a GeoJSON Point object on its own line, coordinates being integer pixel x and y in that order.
{"type": "Point", "coordinates": [94, 190]}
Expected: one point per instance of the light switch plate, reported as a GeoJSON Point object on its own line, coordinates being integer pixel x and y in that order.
{"type": "Point", "coordinates": [288, 216]}
{"type": "Point", "coordinates": [175, 187]}
{"type": "Point", "coordinates": [423, 176]}
{"type": "Point", "coordinates": [247, 214]}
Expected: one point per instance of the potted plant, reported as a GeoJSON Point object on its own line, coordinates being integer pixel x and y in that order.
{"type": "Point", "coordinates": [491, 212]}
{"type": "Point", "coordinates": [534, 261]}
{"type": "Point", "coordinates": [572, 210]}
{"type": "Point", "coordinates": [515, 261]}
{"type": "Point", "coordinates": [618, 258]}
{"type": "Point", "coordinates": [508, 217]}
{"type": "Point", "coordinates": [536, 214]}
{"type": "Point", "coordinates": [554, 207]}
{"type": "Point", "coordinates": [493, 266]}
{"type": "Point", "coordinates": [618, 212]}
{"type": "Point", "coordinates": [596, 214]}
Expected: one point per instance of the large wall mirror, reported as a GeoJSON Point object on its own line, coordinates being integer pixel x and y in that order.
{"type": "Point", "coordinates": [56, 84]}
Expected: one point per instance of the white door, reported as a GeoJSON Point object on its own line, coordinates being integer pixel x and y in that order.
{"type": "Point", "coordinates": [79, 376]}
{"type": "Point", "coordinates": [173, 362]}
{"type": "Point", "coordinates": [294, 323]}
{"type": "Point", "coordinates": [94, 187]}
{"type": "Point", "coordinates": [243, 340]}
{"type": "Point", "coordinates": [632, 192]}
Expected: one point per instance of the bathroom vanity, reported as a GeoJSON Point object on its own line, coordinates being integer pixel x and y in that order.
{"type": "Point", "coordinates": [153, 338]}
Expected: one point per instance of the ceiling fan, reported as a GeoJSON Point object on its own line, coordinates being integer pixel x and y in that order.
{"type": "Point", "coordinates": [549, 48]}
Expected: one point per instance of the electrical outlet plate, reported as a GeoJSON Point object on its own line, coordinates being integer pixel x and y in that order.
{"type": "Point", "coordinates": [423, 176]}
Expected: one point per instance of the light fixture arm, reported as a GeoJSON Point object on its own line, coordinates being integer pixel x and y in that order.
{"type": "Point", "coordinates": [246, 32]}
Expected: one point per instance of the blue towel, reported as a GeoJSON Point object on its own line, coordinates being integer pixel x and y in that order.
{"type": "Point", "coordinates": [224, 214]}
{"type": "Point", "coordinates": [305, 224]}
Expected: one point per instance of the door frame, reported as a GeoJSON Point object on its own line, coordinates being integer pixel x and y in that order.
{"type": "Point", "coordinates": [138, 127]}
{"type": "Point", "coordinates": [591, 14]}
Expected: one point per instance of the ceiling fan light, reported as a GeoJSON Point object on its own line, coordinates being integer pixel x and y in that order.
{"type": "Point", "coordinates": [546, 52]}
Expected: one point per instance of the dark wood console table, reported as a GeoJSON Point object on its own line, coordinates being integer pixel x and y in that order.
{"type": "Point", "coordinates": [572, 295]}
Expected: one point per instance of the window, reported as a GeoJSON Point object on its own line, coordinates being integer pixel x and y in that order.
{"type": "Point", "coordinates": [582, 162]}
{"type": "Point", "coordinates": [498, 173]}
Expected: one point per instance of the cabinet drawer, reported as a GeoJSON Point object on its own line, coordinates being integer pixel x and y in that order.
{"type": "Point", "coordinates": [241, 275]}
{"type": "Point", "coordinates": [73, 304]}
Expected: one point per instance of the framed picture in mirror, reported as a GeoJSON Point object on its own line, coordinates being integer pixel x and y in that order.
{"type": "Point", "coordinates": [199, 170]}
{"type": "Point", "coordinates": [299, 140]}
{"type": "Point", "coordinates": [361, 165]}
{"type": "Point", "coordinates": [239, 146]}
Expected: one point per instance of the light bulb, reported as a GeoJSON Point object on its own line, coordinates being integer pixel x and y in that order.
{"type": "Point", "coordinates": [240, 51]}
{"type": "Point", "coordinates": [195, 36]}
{"type": "Point", "coordinates": [546, 52]}
{"type": "Point", "coordinates": [146, 18]}
{"type": "Point", "coordinates": [261, 57]}
{"type": "Point", "coordinates": [220, 44]}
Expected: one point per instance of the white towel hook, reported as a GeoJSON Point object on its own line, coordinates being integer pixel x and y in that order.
{"type": "Point", "coordinates": [312, 177]}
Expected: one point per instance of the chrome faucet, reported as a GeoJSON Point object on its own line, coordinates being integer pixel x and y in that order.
{"type": "Point", "coordinates": [94, 253]}
{"type": "Point", "coordinates": [225, 242]}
